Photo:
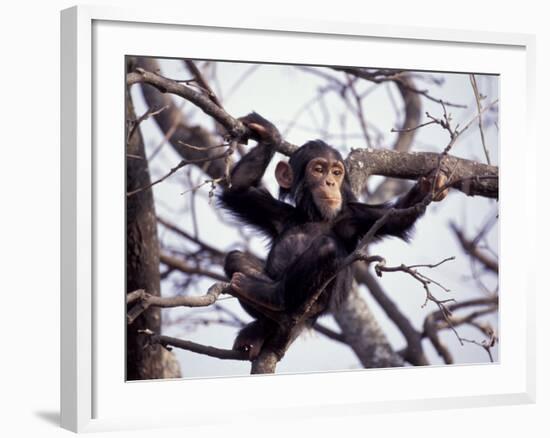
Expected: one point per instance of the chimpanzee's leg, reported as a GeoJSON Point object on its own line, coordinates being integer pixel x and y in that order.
{"type": "Point", "coordinates": [247, 276]}
{"type": "Point", "coordinates": [252, 337]}
{"type": "Point", "coordinates": [237, 261]}
{"type": "Point", "coordinates": [310, 271]}
{"type": "Point", "coordinates": [257, 292]}
{"type": "Point", "coordinates": [245, 271]}
{"type": "Point", "coordinates": [301, 280]}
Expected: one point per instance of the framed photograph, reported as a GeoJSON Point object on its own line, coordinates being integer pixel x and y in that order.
{"type": "Point", "coordinates": [252, 209]}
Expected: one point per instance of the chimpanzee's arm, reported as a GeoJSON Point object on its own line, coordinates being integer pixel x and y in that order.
{"type": "Point", "coordinates": [245, 198]}
{"type": "Point", "coordinates": [359, 218]}
{"type": "Point", "coordinates": [251, 168]}
{"type": "Point", "coordinates": [258, 208]}
{"type": "Point", "coordinates": [249, 171]}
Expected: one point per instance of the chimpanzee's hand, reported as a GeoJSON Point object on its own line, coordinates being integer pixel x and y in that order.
{"type": "Point", "coordinates": [261, 130]}
{"type": "Point", "coordinates": [426, 184]}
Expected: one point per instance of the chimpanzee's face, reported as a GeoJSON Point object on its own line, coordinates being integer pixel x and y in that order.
{"type": "Point", "coordinates": [324, 177]}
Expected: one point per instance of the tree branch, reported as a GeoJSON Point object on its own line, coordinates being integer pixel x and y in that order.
{"type": "Point", "coordinates": [235, 128]}
{"type": "Point", "coordinates": [329, 333]}
{"type": "Point", "coordinates": [471, 178]}
{"type": "Point", "coordinates": [180, 265]}
{"type": "Point", "coordinates": [431, 326]}
{"type": "Point", "coordinates": [379, 76]}
{"type": "Point", "coordinates": [219, 353]}
{"type": "Point", "coordinates": [361, 162]}
{"type": "Point", "coordinates": [170, 226]}
{"type": "Point", "coordinates": [414, 352]}
{"type": "Point", "coordinates": [480, 120]}
{"type": "Point", "coordinates": [176, 127]}
{"type": "Point", "coordinates": [470, 248]}
{"type": "Point", "coordinates": [363, 333]}
{"type": "Point", "coordinates": [146, 300]}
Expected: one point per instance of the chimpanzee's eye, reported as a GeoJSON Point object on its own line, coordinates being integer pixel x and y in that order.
{"type": "Point", "coordinates": [318, 169]}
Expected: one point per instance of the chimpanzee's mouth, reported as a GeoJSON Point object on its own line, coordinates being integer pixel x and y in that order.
{"type": "Point", "coordinates": [331, 201]}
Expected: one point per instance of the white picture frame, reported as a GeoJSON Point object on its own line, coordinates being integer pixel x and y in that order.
{"type": "Point", "coordinates": [93, 397]}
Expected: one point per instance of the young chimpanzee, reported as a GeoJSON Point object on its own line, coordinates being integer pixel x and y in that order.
{"type": "Point", "coordinates": [308, 240]}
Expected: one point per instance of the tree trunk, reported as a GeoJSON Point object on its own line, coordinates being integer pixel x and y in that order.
{"type": "Point", "coordinates": [363, 333]}
{"type": "Point", "coordinates": [142, 264]}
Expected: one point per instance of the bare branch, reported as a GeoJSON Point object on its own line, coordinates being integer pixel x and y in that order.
{"type": "Point", "coordinates": [479, 120]}
{"type": "Point", "coordinates": [365, 161]}
{"type": "Point", "coordinates": [431, 326]}
{"type": "Point", "coordinates": [329, 333]}
{"type": "Point", "coordinates": [179, 166]}
{"type": "Point", "coordinates": [219, 353]}
{"type": "Point", "coordinates": [380, 76]}
{"type": "Point", "coordinates": [180, 265]}
{"type": "Point", "coordinates": [471, 248]}
{"type": "Point", "coordinates": [177, 127]}
{"type": "Point", "coordinates": [215, 251]}
{"type": "Point", "coordinates": [413, 108]}
{"type": "Point", "coordinates": [412, 103]}
{"type": "Point", "coordinates": [359, 111]}
{"type": "Point", "coordinates": [470, 177]}
{"type": "Point", "coordinates": [364, 334]}
{"type": "Point", "coordinates": [457, 132]}
{"type": "Point", "coordinates": [146, 300]}
{"type": "Point", "coordinates": [135, 123]}
{"type": "Point", "coordinates": [414, 352]}
{"type": "Point", "coordinates": [235, 128]}
{"type": "Point", "coordinates": [381, 267]}
{"type": "Point", "coordinates": [202, 82]}
{"type": "Point", "coordinates": [430, 330]}
{"type": "Point", "coordinates": [198, 148]}
{"type": "Point", "coordinates": [414, 128]}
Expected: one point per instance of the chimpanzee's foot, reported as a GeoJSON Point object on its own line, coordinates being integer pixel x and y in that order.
{"type": "Point", "coordinates": [257, 291]}
{"type": "Point", "coordinates": [248, 345]}
{"type": "Point", "coordinates": [252, 337]}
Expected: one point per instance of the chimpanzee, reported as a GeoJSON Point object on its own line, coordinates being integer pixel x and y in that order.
{"type": "Point", "coordinates": [308, 240]}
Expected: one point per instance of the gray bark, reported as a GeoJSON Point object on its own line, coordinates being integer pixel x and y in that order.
{"type": "Point", "coordinates": [363, 333]}
{"type": "Point", "coordinates": [142, 265]}
{"type": "Point", "coordinates": [473, 179]}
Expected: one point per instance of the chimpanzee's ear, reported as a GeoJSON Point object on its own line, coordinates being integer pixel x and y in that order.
{"type": "Point", "coordinates": [284, 175]}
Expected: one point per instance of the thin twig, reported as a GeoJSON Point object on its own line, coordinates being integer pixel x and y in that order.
{"type": "Point", "coordinates": [180, 265]}
{"type": "Point", "coordinates": [202, 82]}
{"type": "Point", "coordinates": [394, 76]}
{"type": "Point", "coordinates": [135, 123]}
{"type": "Point", "coordinates": [480, 121]}
{"type": "Point", "coordinates": [359, 111]}
{"type": "Point", "coordinates": [203, 245]}
{"type": "Point", "coordinates": [471, 248]}
{"type": "Point", "coordinates": [431, 328]}
{"type": "Point", "coordinates": [179, 166]}
{"type": "Point", "coordinates": [380, 267]}
{"type": "Point", "coordinates": [198, 148]}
